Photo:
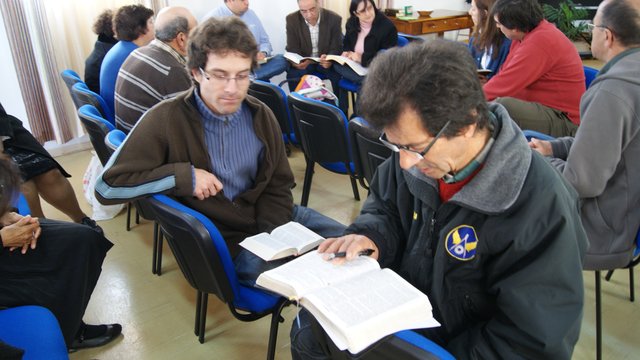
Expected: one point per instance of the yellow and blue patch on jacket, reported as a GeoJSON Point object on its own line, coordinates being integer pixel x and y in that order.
{"type": "Point", "coordinates": [462, 242]}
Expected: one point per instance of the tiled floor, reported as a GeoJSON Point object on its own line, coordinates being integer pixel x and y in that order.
{"type": "Point", "coordinates": [157, 312]}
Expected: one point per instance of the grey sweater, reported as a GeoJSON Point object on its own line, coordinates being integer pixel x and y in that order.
{"type": "Point", "coordinates": [603, 162]}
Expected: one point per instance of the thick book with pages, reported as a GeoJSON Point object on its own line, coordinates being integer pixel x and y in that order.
{"type": "Point", "coordinates": [289, 239]}
{"type": "Point", "coordinates": [356, 303]}
{"type": "Point", "coordinates": [358, 68]}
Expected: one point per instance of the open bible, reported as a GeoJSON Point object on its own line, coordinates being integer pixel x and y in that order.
{"type": "Point", "coordinates": [356, 303]}
{"type": "Point", "coordinates": [358, 68]}
{"type": "Point", "coordinates": [289, 239]}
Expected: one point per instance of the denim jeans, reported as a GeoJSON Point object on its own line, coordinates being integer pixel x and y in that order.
{"type": "Point", "coordinates": [304, 345]}
{"type": "Point", "coordinates": [277, 65]}
{"type": "Point", "coordinates": [249, 266]}
{"type": "Point", "coordinates": [343, 95]}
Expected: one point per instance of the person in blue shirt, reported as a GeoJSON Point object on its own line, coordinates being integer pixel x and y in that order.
{"type": "Point", "coordinates": [270, 65]}
{"type": "Point", "coordinates": [488, 46]}
{"type": "Point", "coordinates": [133, 25]}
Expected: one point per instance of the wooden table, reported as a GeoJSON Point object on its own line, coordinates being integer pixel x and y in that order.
{"type": "Point", "coordinates": [439, 22]}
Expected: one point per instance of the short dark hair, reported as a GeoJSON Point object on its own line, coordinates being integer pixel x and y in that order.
{"type": "Point", "coordinates": [171, 29]}
{"type": "Point", "coordinates": [130, 22]}
{"type": "Point", "coordinates": [10, 181]}
{"type": "Point", "coordinates": [354, 6]}
{"type": "Point", "coordinates": [622, 19]}
{"type": "Point", "coordinates": [220, 36]}
{"type": "Point", "coordinates": [437, 79]}
{"type": "Point", "coordinates": [523, 15]}
{"type": "Point", "coordinates": [104, 24]}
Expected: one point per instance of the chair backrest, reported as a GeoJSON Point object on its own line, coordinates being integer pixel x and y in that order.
{"type": "Point", "coordinates": [97, 127]}
{"type": "Point", "coordinates": [198, 246]}
{"type": "Point", "coordinates": [323, 130]}
{"type": "Point", "coordinates": [589, 74]}
{"type": "Point", "coordinates": [275, 98]}
{"type": "Point", "coordinates": [35, 330]}
{"type": "Point", "coordinates": [114, 139]}
{"type": "Point", "coordinates": [368, 151]}
{"type": "Point", "coordinates": [402, 41]}
{"type": "Point", "coordinates": [71, 78]}
{"type": "Point", "coordinates": [86, 96]}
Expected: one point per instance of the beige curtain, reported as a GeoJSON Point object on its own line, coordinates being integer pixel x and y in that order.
{"type": "Point", "coordinates": [47, 37]}
{"type": "Point", "coordinates": [384, 4]}
{"type": "Point", "coordinates": [22, 51]}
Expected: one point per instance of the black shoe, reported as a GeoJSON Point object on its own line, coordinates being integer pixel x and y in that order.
{"type": "Point", "coordinates": [95, 335]}
{"type": "Point", "coordinates": [92, 224]}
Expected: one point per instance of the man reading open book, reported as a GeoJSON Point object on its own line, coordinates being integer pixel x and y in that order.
{"type": "Point", "coordinates": [466, 213]}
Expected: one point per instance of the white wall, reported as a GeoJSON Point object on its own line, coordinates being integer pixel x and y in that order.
{"type": "Point", "coordinates": [271, 13]}
{"type": "Point", "coordinates": [432, 4]}
{"type": "Point", "coordinates": [10, 95]}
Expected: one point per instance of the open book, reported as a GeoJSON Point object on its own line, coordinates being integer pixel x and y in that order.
{"type": "Point", "coordinates": [356, 303]}
{"type": "Point", "coordinates": [289, 239]}
{"type": "Point", "coordinates": [359, 69]}
{"type": "Point", "coordinates": [484, 72]}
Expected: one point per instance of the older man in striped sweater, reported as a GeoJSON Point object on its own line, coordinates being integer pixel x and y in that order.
{"type": "Point", "coordinates": [156, 71]}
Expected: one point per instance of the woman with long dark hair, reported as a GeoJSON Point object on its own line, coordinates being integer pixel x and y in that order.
{"type": "Point", "coordinates": [488, 46]}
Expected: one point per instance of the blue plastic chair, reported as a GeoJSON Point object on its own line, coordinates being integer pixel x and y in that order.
{"type": "Point", "coordinates": [536, 134]}
{"type": "Point", "coordinates": [86, 96]}
{"type": "Point", "coordinates": [276, 99]}
{"type": "Point", "coordinates": [35, 330]}
{"type": "Point", "coordinates": [97, 127]}
{"type": "Point", "coordinates": [22, 205]}
{"type": "Point", "coordinates": [203, 257]}
{"type": "Point", "coordinates": [368, 152]}
{"type": "Point", "coordinates": [589, 74]}
{"type": "Point", "coordinates": [324, 138]}
{"type": "Point", "coordinates": [71, 78]}
{"type": "Point", "coordinates": [114, 139]}
{"type": "Point", "coordinates": [403, 345]}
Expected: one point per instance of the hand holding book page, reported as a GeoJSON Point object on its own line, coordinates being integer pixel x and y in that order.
{"type": "Point", "coordinates": [356, 303]}
{"type": "Point", "coordinates": [289, 239]}
{"type": "Point", "coordinates": [342, 60]}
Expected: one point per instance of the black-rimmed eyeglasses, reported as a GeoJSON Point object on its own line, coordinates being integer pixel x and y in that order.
{"type": "Point", "coordinates": [419, 154]}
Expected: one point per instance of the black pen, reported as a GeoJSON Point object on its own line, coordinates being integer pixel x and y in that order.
{"type": "Point", "coordinates": [341, 254]}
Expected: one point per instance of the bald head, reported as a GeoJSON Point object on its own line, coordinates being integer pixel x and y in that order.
{"type": "Point", "coordinates": [622, 17]}
{"type": "Point", "coordinates": [173, 20]}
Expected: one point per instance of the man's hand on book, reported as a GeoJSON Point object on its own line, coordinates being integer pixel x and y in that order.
{"type": "Point", "coordinates": [351, 244]}
{"type": "Point", "coordinates": [302, 66]}
{"type": "Point", "coordinates": [206, 184]}
{"type": "Point", "coordinates": [324, 62]}
{"type": "Point", "coordinates": [353, 56]}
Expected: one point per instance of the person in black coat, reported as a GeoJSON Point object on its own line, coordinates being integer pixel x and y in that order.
{"type": "Point", "coordinates": [368, 31]}
{"type": "Point", "coordinates": [106, 39]}
{"type": "Point", "coordinates": [41, 174]}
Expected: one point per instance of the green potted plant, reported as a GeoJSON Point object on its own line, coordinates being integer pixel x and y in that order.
{"type": "Point", "coordinates": [569, 19]}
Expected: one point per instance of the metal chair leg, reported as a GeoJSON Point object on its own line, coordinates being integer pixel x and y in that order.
{"type": "Point", "coordinates": [196, 328]}
{"type": "Point", "coordinates": [354, 187]}
{"type": "Point", "coordinates": [632, 295]}
{"type": "Point", "coordinates": [273, 332]}
{"type": "Point", "coordinates": [128, 216]}
{"type": "Point", "coordinates": [154, 263]}
{"type": "Point", "coordinates": [203, 316]}
{"type": "Point", "coordinates": [598, 319]}
{"type": "Point", "coordinates": [159, 256]}
{"type": "Point", "coordinates": [306, 188]}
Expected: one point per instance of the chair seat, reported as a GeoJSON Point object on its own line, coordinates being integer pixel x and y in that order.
{"type": "Point", "coordinates": [422, 342]}
{"type": "Point", "coordinates": [254, 300]}
{"type": "Point", "coordinates": [35, 330]}
{"type": "Point", "coordinates": [338, 167]}
{"type": "Point", "coordinates": [349, 85]}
